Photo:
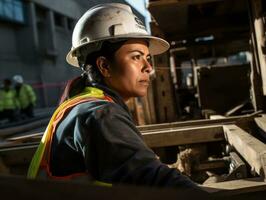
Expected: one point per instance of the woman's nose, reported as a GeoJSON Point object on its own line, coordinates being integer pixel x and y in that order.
{"type": "Point", "coordinates": [147, 66]}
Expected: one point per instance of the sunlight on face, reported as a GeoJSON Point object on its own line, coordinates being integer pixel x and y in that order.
{"type": "Point", "coordinates": [130, 70]}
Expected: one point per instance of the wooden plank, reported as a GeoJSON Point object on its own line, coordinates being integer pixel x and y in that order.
{"type": "Point", "coordinates": [17, 147]}
{"type": "Point", "coordinates": [250, 148]}
{"type": "Point", "coordinates": [164, 92]}
{"type": "Point", "coordinates": [172, 137]}
{"type": "Point", "coordinates": [23, 128]}
{"type": "Point", "coordinates": [240, 186]}
{"type": "Point", "coordinates": [217, 117]}
{"type": "Point", "coordinates": [202, 122]}
{"type": "Point", "coordinates": [25, 137]}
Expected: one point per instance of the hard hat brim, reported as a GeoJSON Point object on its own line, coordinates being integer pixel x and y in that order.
{"type": "Point", "coordinates": [156, 46]}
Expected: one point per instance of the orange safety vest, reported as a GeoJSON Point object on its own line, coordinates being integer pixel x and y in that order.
{"type": "Point", "coordinates": [40, 164]}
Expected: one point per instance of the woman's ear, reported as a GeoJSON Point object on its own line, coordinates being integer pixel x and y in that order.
{"type": "Point", "coordinates": [104, 66]}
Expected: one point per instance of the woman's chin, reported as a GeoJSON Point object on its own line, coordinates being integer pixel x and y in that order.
{"type": "Point", "coordinates": [142, 93]}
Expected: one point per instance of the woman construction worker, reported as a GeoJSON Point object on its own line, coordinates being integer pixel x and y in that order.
{"type": "Point", "coordinates": [92, 134]}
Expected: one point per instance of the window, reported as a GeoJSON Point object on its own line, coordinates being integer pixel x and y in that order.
{"type": "Point", "coordinates": [41, 14]}
{"type": "Point", "coordinates": [12, 10]}
{"type": "Point", "coordinates": [70, 24]}
{"type": "Point", "coordinates": [59, 20]}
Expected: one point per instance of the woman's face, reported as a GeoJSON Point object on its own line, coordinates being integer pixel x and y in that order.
{"type": "Point", "coordinates": [129, 72]}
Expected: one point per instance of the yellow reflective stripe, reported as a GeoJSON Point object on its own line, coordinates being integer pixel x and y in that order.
{"type": "Point", "coordinates": [37, 158]}
{"type": "Point", "coordinates": [95, 92]}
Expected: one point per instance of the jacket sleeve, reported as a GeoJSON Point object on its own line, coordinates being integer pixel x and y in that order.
{"type": "Point", "coordinates": [31, 94]}
{"type": "Point", "coordinates": [115, 152]}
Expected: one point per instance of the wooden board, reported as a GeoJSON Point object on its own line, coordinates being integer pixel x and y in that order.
{"type": "Point", "coordinates": [240, 186]}
{"type": "Point", "coordinates": [250, 148]}
{"type": "Point", "coordinates": [202, 122]}
{"type": "Point", "coordinates": [172, 137]}
{"type": "Point", "coordinates": [23, 128]}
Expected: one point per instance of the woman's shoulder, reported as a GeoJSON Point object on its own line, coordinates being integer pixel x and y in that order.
{"type": "Point", "coordinates": [98, 108]}
{"type": "Point", "coordinates": [91, 111]}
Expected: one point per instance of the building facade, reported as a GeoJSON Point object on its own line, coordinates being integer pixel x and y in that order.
{"type": "Point", "coordinates": [35, 36]}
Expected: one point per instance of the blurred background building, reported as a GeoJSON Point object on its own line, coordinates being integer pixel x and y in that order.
{"type": "Point", "coordinates": [35, 36]}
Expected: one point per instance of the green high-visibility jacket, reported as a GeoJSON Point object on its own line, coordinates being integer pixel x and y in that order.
{"type": "Point", "coordinates": [8, 100]}
{"type": "Point", "coordinates": [26, 96]}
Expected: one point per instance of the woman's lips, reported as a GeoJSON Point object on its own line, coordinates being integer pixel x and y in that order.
{"type": "Point", "coordinates": [145, 82]}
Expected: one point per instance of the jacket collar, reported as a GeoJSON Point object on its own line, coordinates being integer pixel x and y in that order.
{"type": "Point", "coordinates": [113, 94]}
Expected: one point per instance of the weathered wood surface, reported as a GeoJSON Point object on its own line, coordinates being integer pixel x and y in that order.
{"type": "Point", "coordinates": [202, 122]}
{"type": "Point", "coordinates": [154, 128]}
{"type": "Point", "coordinates": [172, 137]}
{"type": "Point", "coordinates": [250, 148]}
{"type": "Point", "coordinates": [23, 128]}
{"type": "Point", "coordinates": [240, 186]}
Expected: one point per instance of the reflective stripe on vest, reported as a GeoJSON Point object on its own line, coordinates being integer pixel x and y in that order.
{"type": "Point", "coordinates": [40, 162]}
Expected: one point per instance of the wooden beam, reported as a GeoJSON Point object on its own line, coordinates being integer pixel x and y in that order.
{"type": "Point", "coordinates": [250, 148]}
{"type": "Point", "coordinates": [172, 137]}
{"type": "Point", "coordinates": [201, 122]}
{"type": "Point", "coordinates": [23, 128]}
{"type": "Point", "coordinates": [240, 186]}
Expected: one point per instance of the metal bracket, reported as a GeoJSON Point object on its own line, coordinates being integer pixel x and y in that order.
{"type": "Point", "coordinates": [237, 168]}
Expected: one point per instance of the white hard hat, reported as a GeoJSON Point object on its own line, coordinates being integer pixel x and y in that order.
{"type": "Point", "coordinates": [18, 79]}
{"type": "Point", "coordinates": [111, 21]}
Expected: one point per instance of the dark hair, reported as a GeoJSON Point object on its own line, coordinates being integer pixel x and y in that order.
{"type": "Point", "coordinates": [108, 51]}
{"type": "Point", "coordinates": [91, 73]}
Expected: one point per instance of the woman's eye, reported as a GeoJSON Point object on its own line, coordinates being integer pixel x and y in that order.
{"type": "Point", "coordinates": [149, 60]}
{"type": "Point", "coordinates": [137, 57]}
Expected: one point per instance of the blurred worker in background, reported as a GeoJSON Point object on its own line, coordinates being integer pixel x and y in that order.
{"type": "Point", "coordinates": [26, 97]}
{"type": "Point", "coordinates": [8, 102]}
{"type": "Point", "coordinates": [92, 134]}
